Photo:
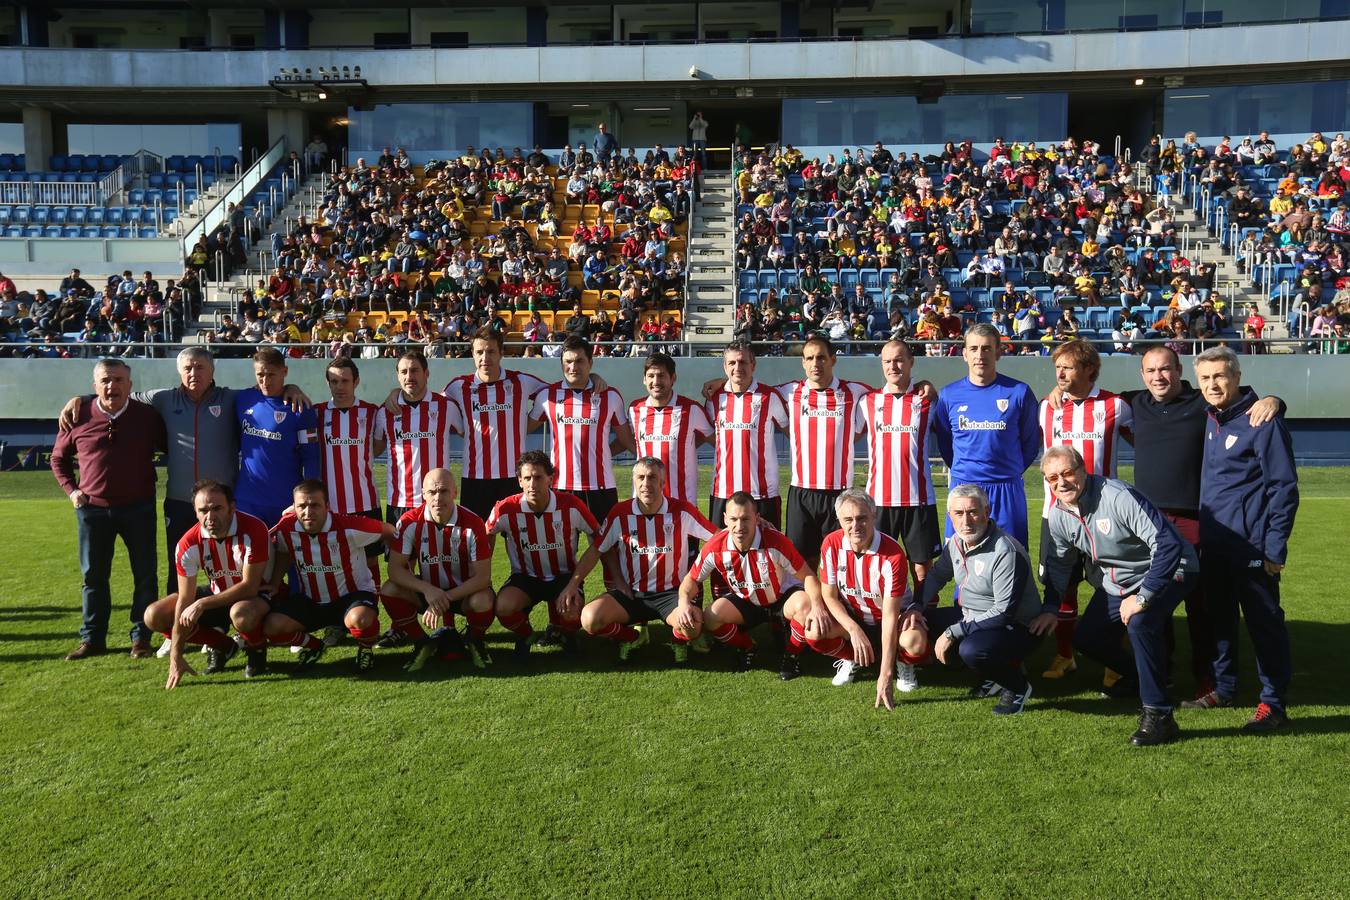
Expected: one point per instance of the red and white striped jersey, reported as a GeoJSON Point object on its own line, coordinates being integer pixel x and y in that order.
{"type": "Point", "coordinates": [419, 441]}
{"type": "Point", "coordinates": [496, 418]}
{"type": "Point", "coordinates": [899, 428]}
{"type": "Point", "coordinates": [761, 574]}
{"type": "Point", "coordinates": [347, 439]}
{"type": "Point", "coordinates": [653, 550]}
{"type": "Point", "coordinates": [820, 424]}
{"type": "Point", "coordinates": [865, 579]}
{"type": "Point", "coordinates": [442, 554]}
{"type": "Point", "coordinates": [579, 427]}
{"type": "Point", "coordinates": [670, 433]}
{"type": "Point", "coordinates": [1092, 426]}
{"type": "Point", "coordinates": [332, 563]}
{"type": "Point", "coordinates": [543, 544]}
{"type": "Point", "coordinates": [223, 559]}
{"type": "Point", "coordinates": [746, 457]}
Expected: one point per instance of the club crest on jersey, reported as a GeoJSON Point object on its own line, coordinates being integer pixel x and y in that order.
{"type": "Point", "coordinates": [1002, 404]}
{"type": "Point", "coordinates": [1104, 526]}
{"type": "Point", "coordinates": [977, 567]}
{"type": "Point", "coordinates": [279, 415]}
{"type": "Point", "coordinates": [1229, 441]}
{"type": "Point", "coordinates": [1099, 415]}
{"type": "Point", "coordinates": [214, 410]}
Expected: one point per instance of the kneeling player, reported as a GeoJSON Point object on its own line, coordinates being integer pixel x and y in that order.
{"type": "Point", "coordinates": [449, 544]}
{"type": "Point", "coordinates": [862, 581]}
{"type": "Point", "coordinates": [767, 581]}
{"type": "Point", "coordinates": [647, 540]}
{"type": "Point", "coordinates": [231, 547]}
{"type": "Point", "coordinates": [1000, 619]}
{"type": "Point", "coordinates": [542, 529]}
{"type": "Point", "coordinates": [336, 585]}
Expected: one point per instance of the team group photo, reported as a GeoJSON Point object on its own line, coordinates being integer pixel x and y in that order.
{"type": "Point", "coordinates": [727, 449]}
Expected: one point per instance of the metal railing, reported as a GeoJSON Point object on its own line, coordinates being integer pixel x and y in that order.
{"type": "Point", "coordinates": [248, 180]}
{"type": "Point", "coordinates": [681, 347]}
{"type": "Point", "coordinates": [51, 193]}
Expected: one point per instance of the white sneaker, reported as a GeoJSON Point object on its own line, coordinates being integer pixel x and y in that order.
{"type": "Point", "coordinates": [332, 634]}
{"type": "Point", "coordinates": [905, 678]}
{"type": "Point", "coordinates": [843, 672]}
{"type": "Point", "coordinates": [164, 648]}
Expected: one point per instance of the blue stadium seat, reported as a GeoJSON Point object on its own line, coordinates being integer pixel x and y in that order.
{"type": "Point", "coordinates": [156, 180]}
{"type": "Point", "coordinates": [6, 162]}
{"type": "Point", "coordinates": [227, 164]}
{"type": "Point", "coordinates": [40, 215]}
{"type": "Point", "coordinates": [70, 178]}
{"type": "Point", "coordinates": [57, 215]}
{"type": "Point", "coordinates": [95, 215]}
{"type": "Point", "coordinates": [90, 163]}
{"type": "Point", "coordinates": [6, 214]}
{"type": "Point", "coordinates": [108, 162]}
{"type": "Point", "coordinates": [176, 163]}
{"type": "Point", "coordinates": [21, 213]}
{"type": "Point", "coordinates": [70, 231]}
{"type": "Point", "coordinates": [91, 231]}
{"type": "Point", "coordinates": [58, 162]}
{"type": "Point", "coordinates": [110, 231]}
{"type": "Point", "coordinates": [78, 215]}
{"type": "Point", "coordinates": [32, 231]}
{"type": "Point", "coordinates": [136, 196]}
{"type": "Point", "coordinates": [115, 215]}
{"type": "Point", "coordinates": [13, 231]}
{"type": "Point", "coordinates": [51, 231]}
{"type": "Point", "coordinates": [170, 213]}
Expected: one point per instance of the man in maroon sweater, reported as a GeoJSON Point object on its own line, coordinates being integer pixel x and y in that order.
{"type": "Point", "coordinates": [114, 439]}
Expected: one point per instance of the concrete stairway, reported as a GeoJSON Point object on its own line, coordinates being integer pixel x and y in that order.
{"type": "Point", "coordinates": [711, 307]}
{"type": "Point", "coordinates": [1233, 286]}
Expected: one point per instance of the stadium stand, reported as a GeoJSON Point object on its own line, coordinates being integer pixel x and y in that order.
{"type": "Point", "coordinates": [534, 246]}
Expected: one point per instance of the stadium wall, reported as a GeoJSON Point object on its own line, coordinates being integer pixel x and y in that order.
{"type": "Point", "coordinates": [32, 391]}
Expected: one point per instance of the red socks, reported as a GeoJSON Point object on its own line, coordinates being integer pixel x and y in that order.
{"type": "Point", "coordinates": [566, 626]}
{"type": "Point", "coordinates": [296, 639]}
{"type": "Point", "coordinates": [479, 622]}
{"type": "Point", "coordinates": [403, 616]}
{"type": "Point", "coordinates": [517, 623]}
{"type": "Point", "coordinates": [796, 637]}
{"type": "Point", "coordinates": [253, 639]}
{"type": "Point", "coordinates": [366, 637]}
{"type": "Point", "coordinates": [839, 648]}
{"type": "Point", "coordinates": [732, 636]}
{"type": "Point", "coordinates": [618, 632]}
{"type": "Point", "coordinates": [1068, 621]}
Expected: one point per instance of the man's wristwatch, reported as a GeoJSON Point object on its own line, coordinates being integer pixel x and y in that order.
{"type": "Point", "coordinates": [1142, 601]}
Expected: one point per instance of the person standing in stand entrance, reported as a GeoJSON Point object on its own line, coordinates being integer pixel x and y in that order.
{"type": "Point", "coordinates": [115, 439]}
{"type": "Point", "coordinates": [1248, 500]}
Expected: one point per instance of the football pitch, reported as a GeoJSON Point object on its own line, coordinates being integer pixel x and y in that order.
{"type": "Point", "coordinates": [583, 779]}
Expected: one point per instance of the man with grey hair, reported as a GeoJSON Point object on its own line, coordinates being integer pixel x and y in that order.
{"type": "Point", "coordinates": [1140, 568]}
{"type": "Point", "coordinates": [203, 434]}
{"type": "Point", "coordinates": [1248, 500]}
{"type": "Point", "coordinates": [115, 439]}
{"type": "Point", "coordinates": [1000, 619]}
{"type": "Point", "coordinates": [863, 575]}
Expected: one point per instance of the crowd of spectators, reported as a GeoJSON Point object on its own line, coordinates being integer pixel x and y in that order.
{"type": "Point", "coordinates": [1289, 212]}
{"type": "Point", "coordinates": [534, 246]}
{"type": "Point", "coordinates": [874, 245]}
{"type": "Point", "coordinates": [123, 316]}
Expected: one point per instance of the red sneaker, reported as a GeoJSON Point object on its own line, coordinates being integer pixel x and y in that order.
{"type": "Point", "coordinates": [1266, 720]}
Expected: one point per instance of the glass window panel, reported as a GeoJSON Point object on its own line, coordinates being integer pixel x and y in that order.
{"type": "Point", "coordinates": [436, 130]}
{"type": "Point", "coordinates": [861, 121]}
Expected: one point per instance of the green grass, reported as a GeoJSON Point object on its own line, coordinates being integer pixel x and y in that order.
{"type": "Point", "coordinates": [579, 779]}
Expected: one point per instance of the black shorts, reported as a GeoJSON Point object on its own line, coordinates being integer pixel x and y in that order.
{"type": "Point", "coordinates": [219, 617]}
{"type": "Point", "coordinates": [393, 513]}
{"type": "Point", "coordinates": [752, 614]}
{"type": "Point", "coordinates": [770, 510]}
{"type": "Point", "coordinates": [479, 495]}
{"type": "Point", "coordinates": [810, 516]}
{"type": "Point", "coordinates": [537, 589]}
{"type": "Point", "coordinates": [1076, 576]}
{"type": "Point", "coordinates": [645, 607]}
{"type": "Point", "coordinates": [917, 528]}
{"type": "Point", "coordinates": [313, 616]}
{"type": "Point", "coordinates": [599, 501]}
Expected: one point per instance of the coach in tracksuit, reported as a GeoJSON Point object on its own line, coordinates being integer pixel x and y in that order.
{"type": "Point", "coordinates": [1140, 569]}
{"type": "Point", "coordinates": [1248, 500]}
{"type": "Point", "coordinates": [999, 620]}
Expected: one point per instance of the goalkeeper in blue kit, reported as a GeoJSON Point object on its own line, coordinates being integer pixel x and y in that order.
{"type": "Point", "coordinates": [278, 448]}
{"type": "Point", "coordinates": [988, 433]}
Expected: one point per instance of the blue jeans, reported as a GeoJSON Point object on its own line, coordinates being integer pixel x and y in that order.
{"type": "Point", "coordinates": [995, 654]}
{"type": "Point", "coordinates": [1100, 630]}
{"type": "Point", "coordinates": [99, 529]}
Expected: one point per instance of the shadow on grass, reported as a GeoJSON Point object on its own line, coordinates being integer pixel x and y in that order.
{"type": "Point", "coordinates": [36, 613]}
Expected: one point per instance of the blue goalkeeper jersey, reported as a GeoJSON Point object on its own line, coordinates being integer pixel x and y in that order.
{"type": "Point", "coordinates": [278, 448]}
{"type": "Point", "coordinates": [987, 434]}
